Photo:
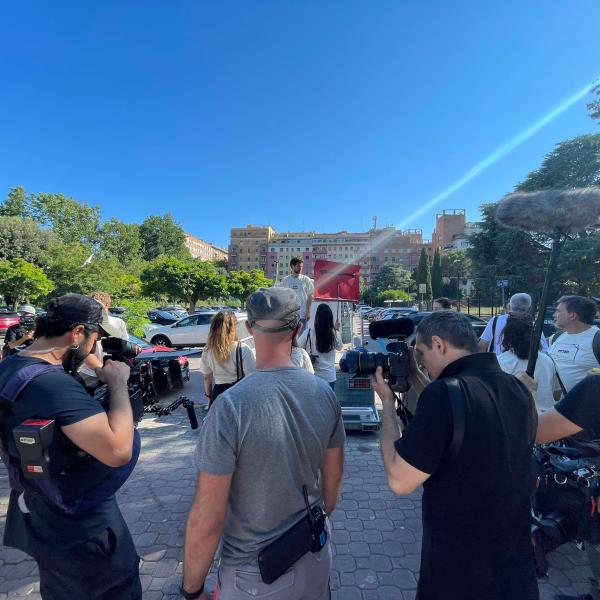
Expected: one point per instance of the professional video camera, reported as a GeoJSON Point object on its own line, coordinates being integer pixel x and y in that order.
{"type": "Point", "coordinates": [28, 323]}
{"type": "Point", "coordinates": [394, 361]}
{"type": "Point", "coordinates": [565, 501]}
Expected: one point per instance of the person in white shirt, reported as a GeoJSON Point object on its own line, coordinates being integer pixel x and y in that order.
{"type": "Point", "coordinates": [303, 287]}
{"type": "Point", "coordinates": [224, 359]}
{"type": "Point", "coordinates": [573, 350]}
{"type": "Point", "coordinates": [321, 342]}
{"type": "Point", "coordinates": [491, 338]}
{"type": "Point", "coordinates": [300, 357]}
{"type": "Point", "coordinates": [516, 341]}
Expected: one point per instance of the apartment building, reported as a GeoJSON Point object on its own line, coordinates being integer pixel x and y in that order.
{"type": "Point", "coordinates": [204, 250]}
{"type": "Point", "coordinates": [248, 247]}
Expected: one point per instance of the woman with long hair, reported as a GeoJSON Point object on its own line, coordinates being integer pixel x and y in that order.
{"type": "Point", "coordinates": [225, 360]}
{"type": "Point", "coordinates": [321, 341]}
{"type": "Point", "coordinates": [516, 341]}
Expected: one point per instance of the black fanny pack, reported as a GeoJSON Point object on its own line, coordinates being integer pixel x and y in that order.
{"type": "Point", "coordinates": [307, 535]}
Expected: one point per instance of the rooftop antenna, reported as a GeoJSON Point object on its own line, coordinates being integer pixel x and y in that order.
{"type": "Point", "coordinates": [375, 221]}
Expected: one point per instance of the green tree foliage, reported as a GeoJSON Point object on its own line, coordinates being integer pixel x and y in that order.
{"type": "Point", "coordinates": [71, 221]}
{"type": "Point", "coordinates": [186, 280]}
{"type": "Point", "coordinates": [572, 163]}
{"type": "Point", "coordinates": [121, 240]}
{"type": "Point", "coordinates": [23, 238]}
{"type": "Point", "coordinates": [21, 280]}
{"type": "Point", "coordinates": [393, 295]}
{"type": "Point", "coordinates": [498, 252]}
{"type": "Point", "coordinates": [456, 265]}
{"type": "Point", "coordinates": [17, 204]}
{"type": "Point", "coordinates": [162, 236]}
{"type": "Point", "coordinates": [594, 106]}
{"type": "Point", "coordinates": [390, 277]}
{"type": "Point", "coordinates": [436, 274]}
{"type": "Point", "coordinates": [423, 274]}
{"type": "Point", "coordinates": [135, 314]}
{"type": "Point", "coordinates": [241, 284]}
{"type": "Point", "coordinates": [579, 266]}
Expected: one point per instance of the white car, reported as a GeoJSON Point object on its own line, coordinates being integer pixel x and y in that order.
{"type": "Point", "coordinates": [189, 331]}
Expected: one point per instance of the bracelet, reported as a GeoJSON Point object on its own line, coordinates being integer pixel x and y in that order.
{"type": "Point", "coordinates": [190, 595]}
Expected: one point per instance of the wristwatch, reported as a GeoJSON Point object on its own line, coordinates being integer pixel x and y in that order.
{"type": "Point", "coordinates": [190, 595]}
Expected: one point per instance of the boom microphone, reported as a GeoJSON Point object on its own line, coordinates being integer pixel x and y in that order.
{"type": "Point", "coordinates": [555, 213]}
{"type": "Point", "coordinates": [392, 328]}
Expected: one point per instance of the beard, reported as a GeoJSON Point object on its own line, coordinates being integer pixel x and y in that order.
{"type": "Point", "coordinates": [73, 359]}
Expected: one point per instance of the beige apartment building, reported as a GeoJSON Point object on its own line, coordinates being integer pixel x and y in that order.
{"type": "Point", "coordinates": [204, 250]}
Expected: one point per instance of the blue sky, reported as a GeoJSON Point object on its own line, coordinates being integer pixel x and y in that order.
{"type": "Point", "coordinates": [302, 114]}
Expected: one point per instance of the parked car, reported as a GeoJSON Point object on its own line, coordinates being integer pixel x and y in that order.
{"type": "Point", "coordinates": [395, 313]}
{"type": "Point", "coordinates": [166, 315]}
{"type": "Point", "coordinates": [170, 368]}
{"type": "Point", "coordinates": [8, 319]}
{"type": "Point", "coordinates": [190, 331]}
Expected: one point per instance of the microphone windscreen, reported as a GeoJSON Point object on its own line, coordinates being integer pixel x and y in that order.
{"type": "Point", "coordinates": [546, 211]}
{"type": "Point", "coordinates": [392, 328]}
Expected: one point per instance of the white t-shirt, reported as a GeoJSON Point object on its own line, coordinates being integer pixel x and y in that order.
{"type": "Point", "coordinates": [301, 358]}
{"type": "Point", "coordinates": [545, 375]}
{"type": "Point", "coordinates": [227, 373]}
{"type": "Point", "coordinates": [500, 325]}
{"type": "Point", "coordinates": [303, 286]}
{"type": "Point", "coordinates": [325, 363]}
{"type": "Point", "coordinates": [573, 355]}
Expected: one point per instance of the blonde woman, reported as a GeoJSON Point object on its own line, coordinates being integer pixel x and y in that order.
{"type": "Point", "coordinates": [224, 359]}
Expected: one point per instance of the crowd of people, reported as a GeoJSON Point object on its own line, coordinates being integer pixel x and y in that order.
{"type": "Point", "coordinates": [270, 452]}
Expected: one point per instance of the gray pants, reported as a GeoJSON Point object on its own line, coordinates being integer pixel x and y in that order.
{"type": "Point", "coordinates": [307, 579]}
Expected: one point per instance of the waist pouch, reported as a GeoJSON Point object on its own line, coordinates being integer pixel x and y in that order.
{"type": "Point", "coordinates": [306, 535]}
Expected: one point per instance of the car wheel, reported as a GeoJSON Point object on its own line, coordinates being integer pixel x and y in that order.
{"type": "Point", "coordinates": [161, 340]}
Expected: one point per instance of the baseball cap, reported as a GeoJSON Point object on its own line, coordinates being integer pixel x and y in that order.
{"type": "Point", "coordinates": [273, 304]}
{"type": "Point", "coordinates": [27, 308]}
{"type": "Point", "coordinates": [75, 308]}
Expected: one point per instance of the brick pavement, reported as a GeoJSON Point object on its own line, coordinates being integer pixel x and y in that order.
{"type": "Point", "coordinates": [376, 536]}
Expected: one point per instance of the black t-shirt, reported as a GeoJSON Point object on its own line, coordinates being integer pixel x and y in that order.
{"type": "Point", "coordinates": [476, 524]}
{"type": "Point", "coordinates": [582, 405]}
{"type": "Point", "coordinates": [53, 395]}
{"type": "Point", "coordinates": [14, 333]}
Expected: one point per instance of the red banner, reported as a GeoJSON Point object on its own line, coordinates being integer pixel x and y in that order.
{"type": "Point", "coordinates": [336, 281]}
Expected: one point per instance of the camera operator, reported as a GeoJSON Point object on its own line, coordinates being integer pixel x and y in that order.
{"type": "Point", "coordinates": [69, 521]}
{"type": "Point", "coordinates": [22, 334]}
{"type": "Point", "coordinates": [469, 444]}
{"type": "Point", "coordinates": [577, 411]}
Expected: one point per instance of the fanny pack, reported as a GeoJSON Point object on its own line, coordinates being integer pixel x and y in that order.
{"type": "Point", "coordinates": [307, 535]}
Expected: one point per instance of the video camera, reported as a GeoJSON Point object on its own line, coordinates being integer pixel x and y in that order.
{"type": "Point", "coordinates": [28, 323]}
{"type": "Point", "coordinates": [395, 362]}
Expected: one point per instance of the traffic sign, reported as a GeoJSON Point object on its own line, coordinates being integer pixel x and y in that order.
{"type": "Point", "coordinates": [422, 288]}
{"type": "Point", "coordinates": [502, 282]}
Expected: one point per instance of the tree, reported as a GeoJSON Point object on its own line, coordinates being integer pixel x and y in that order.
{"type": "Point", "coordinates": [22, 238]}
{"type": "Point", "coordinates": [188, 280]}
{"type": "Point", "coordinates": [17, 204]}
{"type": "Point", "coordinates": [240, 284]}
{"type": "Point", "coordinates": [594, 107]}
{"type": "Point", "coordinates": [572, 163]}
{"type": "Point", "coordinates": [436, 274]}
{"type": "Point", "coordinates": [20, 280]}
{"type": "Point", "coordinates": [393, 295]}
{"type": "Point", "coordinates": [390, 277]}
{"type": "Point", "coordinates": [423, 274]}
{"type": "Point", "coordinates": [455, 265]}
{"type": "Point", "coordinates": [121, 240]}
{"type": "Point", "coordinates": [71, 221]}
{"type": "Point", "coordinates": [162, 236]}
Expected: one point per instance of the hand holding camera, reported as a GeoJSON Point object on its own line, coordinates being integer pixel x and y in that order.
{"type": "Point", "coordinates": [114, 373]}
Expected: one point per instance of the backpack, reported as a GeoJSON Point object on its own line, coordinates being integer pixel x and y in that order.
{"type": "Point", "coordinates": [64, 451]}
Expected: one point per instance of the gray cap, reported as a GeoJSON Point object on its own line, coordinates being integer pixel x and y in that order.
{"type": "Point", "coordinates": [273, 304]}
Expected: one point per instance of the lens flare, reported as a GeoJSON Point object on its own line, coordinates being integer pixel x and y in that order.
{"type": "Point", "coordinates": [477, 169]}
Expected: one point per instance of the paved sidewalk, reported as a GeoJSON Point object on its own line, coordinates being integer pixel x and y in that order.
{"type": "Point", "coordinates": [376, 535]}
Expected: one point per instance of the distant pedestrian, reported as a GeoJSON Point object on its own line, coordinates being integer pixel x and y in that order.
{"type": "Point", "coordinates": [321, 342]}
{"type": "Point", "coordinates": [225, 360]}
{"type": "Point", "coordinates": [491, 338]}
{"type": "Point", "coordinates": [442, 303]}
{"type": "Point", "coordinates": [303, 286]}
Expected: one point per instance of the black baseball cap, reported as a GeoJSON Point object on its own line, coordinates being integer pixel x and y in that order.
{"type": "Point", "coordinates": [274, 304]}
{"type": "Point", "coordinates": [75, 308]}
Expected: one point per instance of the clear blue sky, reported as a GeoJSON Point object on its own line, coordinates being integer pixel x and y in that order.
{"type": "Point", "coordinates": [302, 114]}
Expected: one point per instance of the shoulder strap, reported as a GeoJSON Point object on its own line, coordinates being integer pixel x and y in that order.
{"type": "Point", "coordinates": [492, 347]}
{"type": "Point", "coordinates": [555, 336]}
{"type": "Point", "coordinates": [16, 384]}
{"type": "Point", "coordinates": [457, 403]}
{"type": "Point", "coordinates": [308, 341]}
{"type": "Point", "coordinates": [239, 361]}
{"type": "Point", "coordinates": [563, 389]}
{"type": "Point", "coordinates": [596, 346]}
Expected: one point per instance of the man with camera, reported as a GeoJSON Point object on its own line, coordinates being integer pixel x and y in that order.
{"type": "Point", "coordinates": [469, 445]}
{"type": "Point", "coordinates": [20, 335]}
{"type": "Point", "coordinates": [68, 459]}
{"type": "Point", "coordinates": [271, 455]}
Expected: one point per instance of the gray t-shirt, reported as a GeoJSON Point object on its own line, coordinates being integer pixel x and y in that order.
{"type": "Point", "coordinates": [271, 431]}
